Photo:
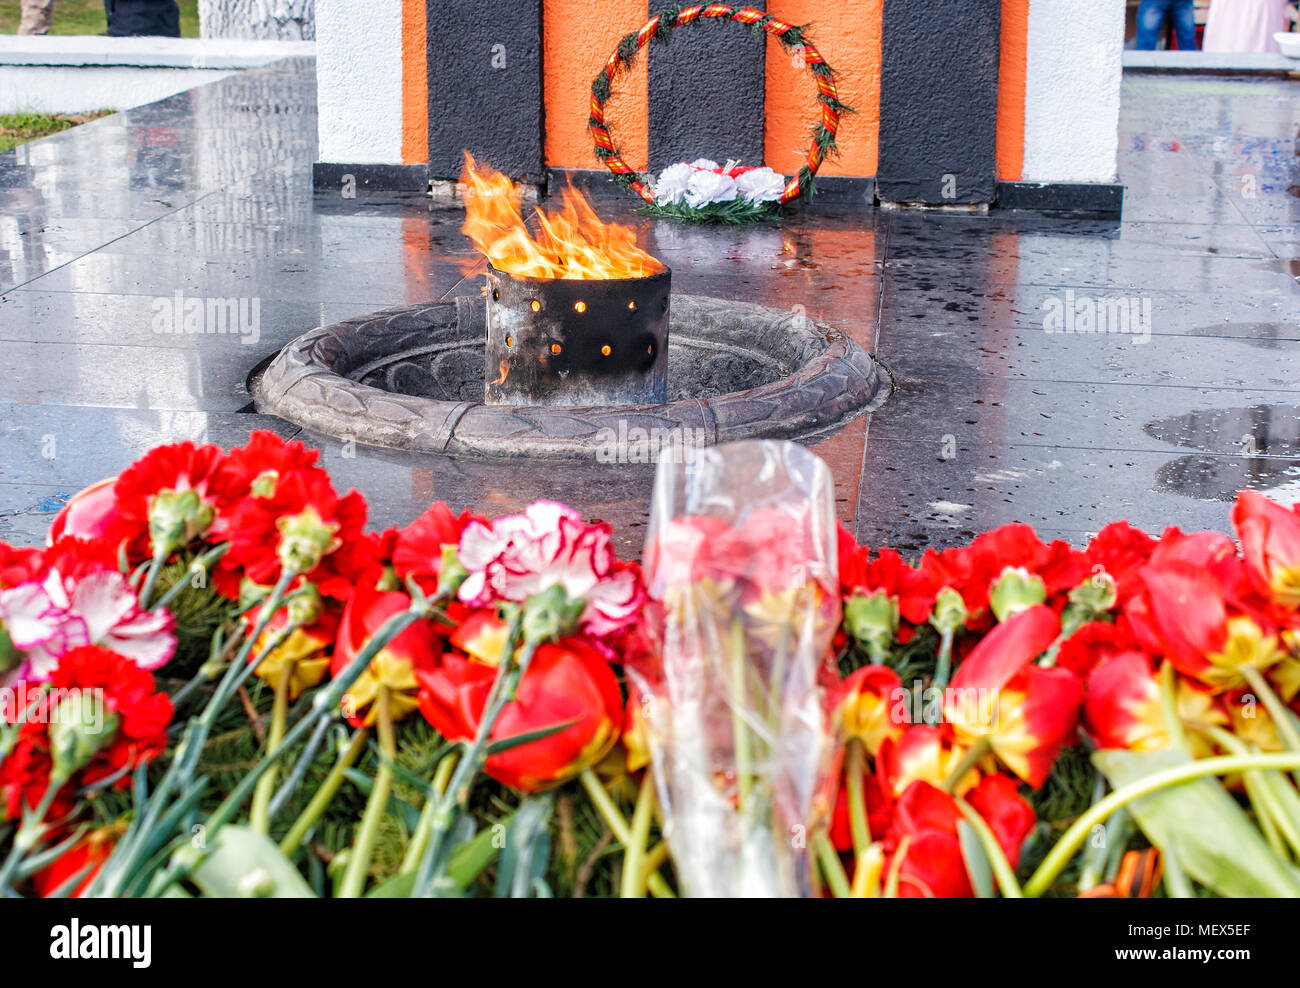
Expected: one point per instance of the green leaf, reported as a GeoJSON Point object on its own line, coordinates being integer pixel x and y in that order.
{"type": "Point", "coordinates": [527, 850]}
{"type": "Point", "coordinates": [243, 864]}
{"type": "Point", "coordinates": [468, 861]}
{"type": "Point", "coordinates": [1215, 842]}
{"type": "Point", "coordinates": [978, 868]}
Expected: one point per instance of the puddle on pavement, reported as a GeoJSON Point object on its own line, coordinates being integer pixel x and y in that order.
{"type": "Point", "coordinates": [1256, 448]}
{"type": "Point", "coordinates": [1259, 430]}
{"type": "Point", "coordinates": [1266, 335]}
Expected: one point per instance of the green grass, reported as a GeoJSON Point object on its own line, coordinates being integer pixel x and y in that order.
{"type": "Point", "coordinates": [87, 17]}
{"type": "Point", "coordinates": [16, 128]}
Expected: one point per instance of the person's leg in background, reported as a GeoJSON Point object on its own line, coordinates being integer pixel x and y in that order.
{"type": "Point", "coordinates": [1184, 14]}
{"type": "Point", "coordinates": [1151, 18]}
{"type": "Point", "coordinates": [36, 16]}
{"type": "Point", "coordinates": [135, 18]}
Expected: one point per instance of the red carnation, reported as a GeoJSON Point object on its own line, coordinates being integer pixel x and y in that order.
{"type": "Point", "coordinates": [171, 496]}
{"type": "Point", "coordinates": [305, 526]}
{"type": "Point", "coordinates": [130, 727]}
{"type": "Point", "coordinates": [256, 467]}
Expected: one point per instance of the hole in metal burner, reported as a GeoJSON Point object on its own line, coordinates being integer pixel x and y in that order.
{"type": "Point", "coordinates": [632, 305]}
{"type": "Point", "coordinates": [663, 304]}
{"type": "Point", "coordinates": [580, 306]}
{"type": "Point", "coordinates": [496, 295]}
{"type": "Point", "coordinates": [510, 341]}
{"type": "Point", "coordinates": [536, 306]}
{"type": "Point", "coordinates": [556, 349]}
{"type": "Point", "coordinates": [606, 350]}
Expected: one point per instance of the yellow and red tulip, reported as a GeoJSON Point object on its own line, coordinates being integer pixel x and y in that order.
{"type": "Point", "coordinates": [1023, 713]}
{"type": "Point", "coordinates": [868, 703]}
{"type": "Point", "coordinates": [567, 682]}
{"type": "Point", "coordinates": [395, 666]}
{"type": "Point", "coordinates": [1270, 542]}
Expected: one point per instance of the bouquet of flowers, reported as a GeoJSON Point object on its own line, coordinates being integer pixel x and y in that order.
{"type": "Point", "coordinates": [416, 663]}
{"type": "Point", "coordinates": [1006, 703]}
{"type": "Point", "coordinates": [704, 191]}
{"type": "Point", "coordinates": [215, 681]}
{"type": "Point", "coordinates": [741, 565]}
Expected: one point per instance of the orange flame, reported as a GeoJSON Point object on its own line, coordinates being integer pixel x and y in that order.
{"type": "Point", "coordinates": [573, 243]}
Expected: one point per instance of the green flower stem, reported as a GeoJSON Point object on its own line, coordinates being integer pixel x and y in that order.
{"type": "Point", "coordinates": [203, 562]}
{"type": "Point", "coordinates": [618, 826]}
{"type": "Point", "coordinates": [855, 774]}
{"type": "Point", "coordinates": [363, 848]}
{"type": "Point", "coordinates": [944, 668]}
{"type": "Point", "coordinates": [30, 831]}
{"type": "Point", "coordinates": [634, 854]}
{"type": "Point", "coordinates": [831, 867]}
{"type": "Point", "coordinates": [1169, 709]}
{"type": "Point", "coordinates": [129, 855]}
{"type": "Point", "coordinates": [1272, 816]}
{"type": "Point", "coordinates": [323, 796]}
{"type": "Point", "coordinates": [740, 730]}
{"type": "Point", "coordinates": [456, 798]}
{"type": "Point", "coordinates": [424, 826]}
{"type": "Point", "coordinates": [974, 753]}
{"type": "Point", "coordinates": [324, 704]}
{"type": "Point", "coordinates": [160, 555]}
{"type": "Point", "coordinates": [259, 817]}
{"type": "Point", "coordinates": [1065, 848]}
{"type": "Point", "coordinates": [1283, 719]}
{"type": "Point", "coordinates": [1002, 870]}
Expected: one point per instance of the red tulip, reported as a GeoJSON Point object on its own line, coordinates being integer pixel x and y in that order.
{"type": "Point", "coordinates": [1123, 705]}
{"type": "Point", "coordinates": [1008, 815]}
{"type": "Point", "coordinates": [923, 836]}
{"type": "Point", "coordinates": [568, 682]}
{"type": "Point", "coordinates": [1184, 616]}
{"type": "Point", "coordinates": [396, 664]}
{"type": "Point", "coordinates": [1024, 713]}
{"type": "Point", "coordinates": [867, 700]}
{"type": "Point", "coordinates": [880, 811]}
{"type": "Point", "coordinates": [921, 753]}
{"type": "Point", "coordinates": [1270, 541]}
{"type": "Point", "coordinates": [1123, 709]}
{"type": "Point", "coordinates": [92, 513]}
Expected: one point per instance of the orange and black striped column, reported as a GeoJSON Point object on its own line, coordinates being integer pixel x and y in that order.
{"type": "Point", "coordinates": [939, 102]}
{"type": "Point", "coordinates": [485, 85]}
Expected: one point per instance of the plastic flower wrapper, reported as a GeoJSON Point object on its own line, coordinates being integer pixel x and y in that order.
{"type": "Point", "coordinates": [741, 566]}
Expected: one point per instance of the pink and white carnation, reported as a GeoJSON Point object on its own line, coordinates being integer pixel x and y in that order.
{"type": "Point", "coordinates": [515, 556]}
{"type": "Point", "coordinates": [46, 620]}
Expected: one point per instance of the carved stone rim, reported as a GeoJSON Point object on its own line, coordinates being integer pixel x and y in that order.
{"type": "Point", "coordinates": [309, 383]}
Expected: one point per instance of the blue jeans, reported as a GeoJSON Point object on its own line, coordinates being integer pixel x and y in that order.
{"type": "Point", "coordinates": [1151, 18]}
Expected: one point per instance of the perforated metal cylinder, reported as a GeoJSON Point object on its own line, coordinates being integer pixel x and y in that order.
{"type": "Point", "coordinates": [563, 342]}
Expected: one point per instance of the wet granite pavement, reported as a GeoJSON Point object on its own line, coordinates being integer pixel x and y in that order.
{"type": "Point", "coordinates": [993, 418]}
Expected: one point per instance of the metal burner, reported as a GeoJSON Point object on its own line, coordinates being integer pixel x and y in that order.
{"type": "Point", "coordinates": [564, 342]}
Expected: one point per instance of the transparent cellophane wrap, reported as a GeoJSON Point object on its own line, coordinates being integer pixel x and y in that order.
{"type": "Point", "coordinates": [741, 566]}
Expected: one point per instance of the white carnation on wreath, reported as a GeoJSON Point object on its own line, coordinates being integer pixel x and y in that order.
{"type": "Point", "coordinates": [705, 165]}
{"type": "Point", "coordinates": [706, 187]}
{"type": "Point", "coordinates": [760, 184]}
{"type": "Point", "coordinates": [671, 184]}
